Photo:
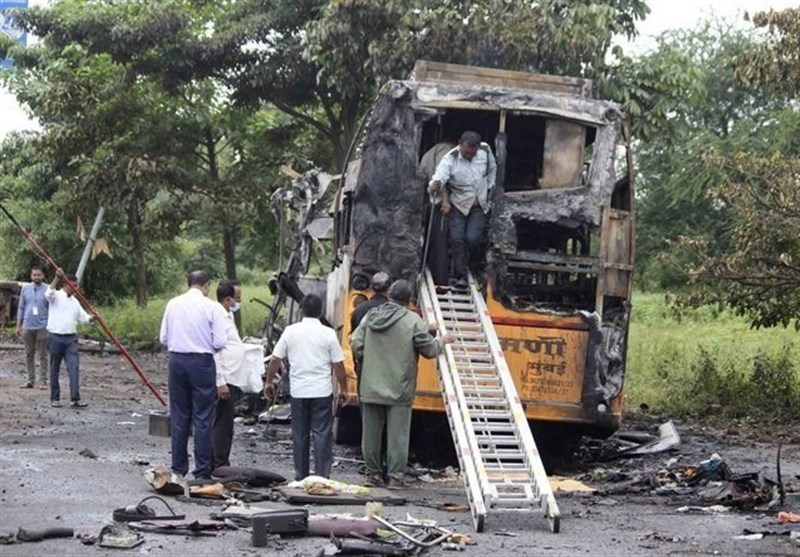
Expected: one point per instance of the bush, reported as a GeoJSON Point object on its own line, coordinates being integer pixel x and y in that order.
{"type": "Point", "coordinates": [140, 327]}
{"type": "Point", "coordinates": [709, 361]}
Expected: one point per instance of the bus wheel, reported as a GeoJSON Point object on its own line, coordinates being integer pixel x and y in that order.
{"type": "Point", "coordinates": [347, 426]}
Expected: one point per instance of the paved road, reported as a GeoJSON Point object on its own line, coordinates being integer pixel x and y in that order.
{"type": "Point", "coordinates": [45, 481]}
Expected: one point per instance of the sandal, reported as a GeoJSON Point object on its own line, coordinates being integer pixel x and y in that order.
{"type": "Point", "coordinates": [78, 404]}
{"type": "Point", "coordinates": [142, 512]}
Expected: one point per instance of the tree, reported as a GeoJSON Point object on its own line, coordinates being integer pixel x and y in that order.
{"type": "Point", "coordinates": [684, 100]}
{"type": "Point", "coordinates": [759, 275]}
{"type": "Point", "coordinates": [323, 62]}
{"type": "Point", "coordinates": [153, 130]}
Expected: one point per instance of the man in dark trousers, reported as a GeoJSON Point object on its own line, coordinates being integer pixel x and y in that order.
{"type": "Point", "coordinates": [193, 329]}
{"type": "Point", "coordinates": [64, 313]}
{"type": "Point", "coordinates": [388, 343]}
{"type": "Point", "coordinates": [313, 353]}
{"type": "Point", "coordinates": [466, 177]}
{"type": "Point", "coordinates": [229, 362]}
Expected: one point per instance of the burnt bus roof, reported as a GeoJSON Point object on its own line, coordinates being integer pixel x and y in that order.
{"type": "Point", "coordinates": [387, 200]}
{"type": "Point", "coordinates": [425, 70]}
{"type": "Point", "coordinates": [433, 94]}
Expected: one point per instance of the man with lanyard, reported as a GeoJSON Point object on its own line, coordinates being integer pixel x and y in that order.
{"type": "Point", "coordinates": [229, 362]}
{"type": "Point", "coordinates": [32, 326]}
{"type": "Point", "coordinates": [468, 173]}
{"type": "Point", "coordinates": [313, 354]}
{"type": "Point", "coordinates": [193, 330]}
{"type": "Point", "coordinates": [64, 312]}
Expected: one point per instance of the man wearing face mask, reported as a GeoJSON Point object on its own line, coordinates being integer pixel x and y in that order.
{"type": "Point", "coordinates": [230, 380]}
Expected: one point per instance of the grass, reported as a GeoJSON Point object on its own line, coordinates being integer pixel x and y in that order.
{"type": "Point", "coordinates": [709, 361]}
{"type": "Point", "coordinates": [705, 361]}
{"type": "Point", "coordinates": [139, 327]}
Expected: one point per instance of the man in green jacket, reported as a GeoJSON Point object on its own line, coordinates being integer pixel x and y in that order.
{"type": "Point", "coordinates": [387, 344]}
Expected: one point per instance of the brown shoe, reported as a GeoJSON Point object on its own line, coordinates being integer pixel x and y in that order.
{"type": "Point", "coordinates": [394, 483]}
{"type": "Point", "coordinates": [28, 385]}
{"type": "Point", "coordinates": [374, 480]}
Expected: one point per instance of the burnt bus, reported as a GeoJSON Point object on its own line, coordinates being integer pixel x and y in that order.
{"type": "Point", "coordinates": [560, 243]}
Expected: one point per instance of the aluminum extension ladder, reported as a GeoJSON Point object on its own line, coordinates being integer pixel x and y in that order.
{"type": "Point", "coordinates": [499, 460]}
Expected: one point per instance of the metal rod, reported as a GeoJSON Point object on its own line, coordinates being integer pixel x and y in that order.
{"type": "Point", "coordinates": [82, 299]}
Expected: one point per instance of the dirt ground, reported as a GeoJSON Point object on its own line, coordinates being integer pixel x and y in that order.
{"type": "Point", "coordinates": [45, 481]}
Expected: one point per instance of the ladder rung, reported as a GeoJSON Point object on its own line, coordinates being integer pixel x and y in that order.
{"type": "Point", "coordinates": [478, 400]}
{"type": "Point", "coordinates": [494, 428]}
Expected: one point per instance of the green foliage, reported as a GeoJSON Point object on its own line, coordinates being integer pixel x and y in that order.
{"type": "Point", "coordinates": [687, 108]}
{"type": "Point", "coordinates": [139, 327]}
{"type": "Point", "coordinates": [709, 361]}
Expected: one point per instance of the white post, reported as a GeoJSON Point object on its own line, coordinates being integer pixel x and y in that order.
{"type": "Point", "coordinates": [90, 244]}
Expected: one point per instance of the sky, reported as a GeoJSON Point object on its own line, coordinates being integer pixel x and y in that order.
{"type": "Point", "coordinates": [664, 15]}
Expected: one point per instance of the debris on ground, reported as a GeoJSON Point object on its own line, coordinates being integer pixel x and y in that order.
{"type": "Point", "coordinates": [281, 522]}
{"type": "Point", "coordinates": [277, 414]}
{"type": "Point", "coordinates": [341, 525]}
{"type": "Point", "coordinates": [710, 482]}
{"type": "Point", "coordinates": [88, 453]}
{"type": "Point", "coordinates": [624, 444]}
{"type": "Point", "coordinates": [569, 485]}
{"type": "Point", "coordinates": [784, 518]}
{"type": "Point", "coordinates": [24, 535]}
{"type": "Point", "coordinates": [194, 528]}
{"type": "Point", "coordinates": [693, 509]}
{"type": "Point", "coordinates": [140, 511]}
{"type": "Point", "coordinates": [252, 477]}
{"type": "Point", "coordinates": [118, 536]}
{"type": "Point", "coordinates": [317, 485]}
{"type": "Point", "coordinates": [165, 481]}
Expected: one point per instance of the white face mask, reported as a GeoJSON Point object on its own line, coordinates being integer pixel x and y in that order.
{"type": "Point", "coordinates": [235, 307]}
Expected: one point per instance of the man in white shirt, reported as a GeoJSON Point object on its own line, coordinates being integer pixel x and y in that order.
{"type": "Point", "coordinates": [313, 352]}
{"type": "Point", "coordinates": [64, 314]}
{"type": "Point", "coordinates": [468, 173]}
{"type": "Point", "coordinates": [229, 362]}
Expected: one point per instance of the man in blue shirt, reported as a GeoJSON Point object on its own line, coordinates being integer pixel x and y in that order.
{"type": "Point", "coordinates": [32, 326]}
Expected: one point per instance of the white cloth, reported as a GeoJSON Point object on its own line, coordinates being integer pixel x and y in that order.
{"type": "Point", "coordinates": [239, 363]}
{"type": "Point", "coordinates": [311, 349]}
{"type": "Point", "coordinates": [229, 360]}
{"type": "Point", "coordinates": [65, 313]}
{"type": "Point", "coordinates": [467, 180]}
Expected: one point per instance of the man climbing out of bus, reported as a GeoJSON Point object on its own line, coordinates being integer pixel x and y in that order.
{"type": "Point", "coordinates": [387, 344]}
{"type": "Point", "coordinates": [468, 173]}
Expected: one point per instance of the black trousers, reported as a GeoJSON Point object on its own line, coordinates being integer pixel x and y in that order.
{"type": "Point", "coordinates": [312, 420]}
{"type": "Point", "coordinates": [222, 429]}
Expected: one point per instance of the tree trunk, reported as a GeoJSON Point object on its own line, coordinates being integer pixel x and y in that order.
{"type": "Point", "coordinates": [139, 262]}
{"type": "Point", "coordinates": [229, 249]}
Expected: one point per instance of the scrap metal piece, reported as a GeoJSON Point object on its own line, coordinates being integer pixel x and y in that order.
{"type": "Point", "coordinates": [119, 536]}
{"type": "Point", "coordinates": [24, 535]}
